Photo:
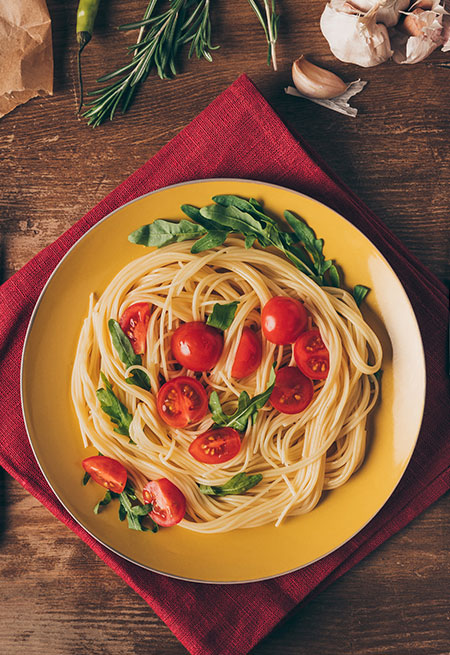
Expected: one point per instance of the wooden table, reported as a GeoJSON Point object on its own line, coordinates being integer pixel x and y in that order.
{"type": "Point", "coordinates": [56, 596]}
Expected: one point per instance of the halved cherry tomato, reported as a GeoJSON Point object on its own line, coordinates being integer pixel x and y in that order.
{"type": "Point", "coordinates": [182, 401]}
{"type": "Point", "coordinates": [292, 392]}
{"type": "Point", "coordinates": [216, 446]}
{"type": "Point", "coordinates": [311, 355]}
{"type": "Point", "coordinates": [248, 354]}
{"type": "Point", "coordinates": [197, 346]}
{"type": "Point", "coordinates": [283, 319]}
{"type": "Point", "coordinates": [107, 472]}
{"type": "Point", "coordinates": [169, 503]}
{"type": "Point", "coordinates": [134, 322]}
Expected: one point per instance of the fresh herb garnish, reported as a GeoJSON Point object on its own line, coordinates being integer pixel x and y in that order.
{"type": "Point", "coordinates": [116, 410]}
{"type": "Point", "coordinates": [222, 316]}
{"type": "Point", "coordinates": [105, 501]}
{"type": "Point", "coordinates": [238, 484]}
{"type": "Point", "coordinates": [359, 293]}
{"type": "Point", "coordinates": [127, 355]}
{"type": "Point", "coordinates": [129, 508]}
{"type": "Point", "coordinates": [162, 233]}
{"type": "Point", "coordinates": [86, 478]}
{"type": "Point", "coordinates": [247, 408]}
{"type": "Point", "coordinates": [132, 510]}
{"type": "Point", "coordinates": [234, 215]}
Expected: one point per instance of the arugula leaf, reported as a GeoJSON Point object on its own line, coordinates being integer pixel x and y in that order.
{"type": "Point", "coordinates": [249, 241]}
{"type": "Point", "coordinates": [127, 355]}
{"type": "Point", "coordinates": [312, 245]}
{"type": "Point", "coordinates": [105, 501]}
{"type": "Point", "coordinates": [232, 217]}
{"type": "Point", "coordinates": [222, 315]}
{"type": "Point", "coordinates": [162, 233]}
{"type": "Point", "coordinates": [232, 214]}
{"type": "Point", "coordinates": [212, 239]}
{"type": "Point", "coordinates": [359, 293]}
{"type": "Point", "coordinates": [247, 408]}
{"type": "Point", "coordinates": [116, 410]}
{"type": "Point", "coordinates": [250, 206]}
{"type": "Point", "coordinates": [238, 484]}
{"type": "Point", "coordinates": [131, 509]}
{"type": "Point", "coordinates": [194, 214]}
{"type": "Point", "coordinates": [86, 478]}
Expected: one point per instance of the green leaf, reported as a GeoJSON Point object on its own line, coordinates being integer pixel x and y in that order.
{"type": "Point", "coordinates": [127, 355]}
{"type": "Point", "coordinates": [359, 293]}
{"type": "Point", "coordinates": [247, 408]}
{"type": "Point", "coordinates": [101, 503]}
{"type": "Point", "coordinates": [162, 233]}
{"type": "Point", "coordinates": [249, 241]}
{"type": "Point", "coordinates": [238, 484]}
{"type": "Point", "coordinates": [222, 315]}
{"type": "Point", "coordinates": [86, 478]}
{"type": "Point", "coordinates": [195, 215]}
{"type": "Point", "coordinates": [334, 276]}
{"type": "Point", "coordinates": [112, 406]}
{"type": "Point", "coordinates": [250, 206]}
{"type": "Point", "coordinates": [133, 511]}
{"type": "Point", "coordinates": [234, 218]}
{"type": "Point", "coordinates": [212, 239]}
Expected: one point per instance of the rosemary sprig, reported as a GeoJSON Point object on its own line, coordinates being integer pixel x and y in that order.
{"type": "Point", "coordinates": [269, 19]}
{"type": "Point", "coordinates": [160, 38]}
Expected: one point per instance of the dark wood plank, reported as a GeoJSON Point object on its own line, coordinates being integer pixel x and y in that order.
{"type": "Point", "coordinates": [57, 596]}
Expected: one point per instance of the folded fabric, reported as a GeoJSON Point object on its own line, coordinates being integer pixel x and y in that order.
{"type": "Point", "coordinates": [239, 135]}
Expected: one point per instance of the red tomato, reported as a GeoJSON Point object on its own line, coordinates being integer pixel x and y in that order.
{"type": "Point", "coordinates": [106, 471]}
{"type": "Point", "coordinates": [182, 401]}
{"type": "Point", "coordinates": [169, 503]}
{"type": "Point", "coordinates": [134, 322]}
{"type": "Point", "coordinates": [292, 392]}
{"type": "Point", "coordinates": [283, 319]}
{"type": "Point", "coordinates": [311, 355]}
{"type": "Point", "coordinates": [197, 346]}
{"type": "Point", "coordinates": [215, 446]}
{"type": "Point", "coordinates": [248, 354]}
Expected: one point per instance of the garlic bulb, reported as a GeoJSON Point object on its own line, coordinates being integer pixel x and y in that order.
{"type": "Point", "coordinates": [316, 82]}
{"type": "Point", "coordinates": [356, 39]}
{"type": "Point", "coordinates": [421, 33]}
{"type": "Point", "coordinates": [388, 12]}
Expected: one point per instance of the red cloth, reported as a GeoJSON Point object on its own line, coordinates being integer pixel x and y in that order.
{"type": "Point", "coordinates": [239, 135]}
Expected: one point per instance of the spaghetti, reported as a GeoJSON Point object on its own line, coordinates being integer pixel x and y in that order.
{"type": "Point", "coordinates": [299, 455]}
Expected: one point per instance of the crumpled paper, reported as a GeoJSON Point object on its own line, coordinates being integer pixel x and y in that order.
{"type": "Point", "coordinates": [26, 57]}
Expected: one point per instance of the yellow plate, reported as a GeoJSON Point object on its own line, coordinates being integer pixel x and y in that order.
{"type": "Point", "coordinates": [241, 555]}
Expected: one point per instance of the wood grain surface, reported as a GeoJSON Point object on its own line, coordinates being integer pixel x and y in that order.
{"type": "Point", "coordinates": [56, 596]}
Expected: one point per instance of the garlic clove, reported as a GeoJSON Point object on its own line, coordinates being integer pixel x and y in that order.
{"type": "Point", "coordinates": [412, 23]}
{"type": "Point", "coordinates": [314, 81]}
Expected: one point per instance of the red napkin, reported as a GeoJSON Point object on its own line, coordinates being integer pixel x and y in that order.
{"type": "Point", "coordinates": [239, 135]}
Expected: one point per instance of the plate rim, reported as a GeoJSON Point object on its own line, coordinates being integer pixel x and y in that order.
{"type": "Point", "coordinates": [414, 323]}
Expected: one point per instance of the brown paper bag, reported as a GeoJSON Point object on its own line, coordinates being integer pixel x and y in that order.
{"type": "Point", "coordinates": [26, 58]}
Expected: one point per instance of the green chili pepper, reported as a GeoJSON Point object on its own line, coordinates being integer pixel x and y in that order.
{"type": "Point", "coordinates": [86, 14]}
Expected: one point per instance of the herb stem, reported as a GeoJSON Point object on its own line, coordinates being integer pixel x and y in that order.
{"type": "Point", "coordinates": [271, 37]}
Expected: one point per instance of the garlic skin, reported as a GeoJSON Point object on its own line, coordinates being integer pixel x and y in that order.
{"type": "Point", "coordinates": [424, 33]}
{"type": "Point", "coordinates": [315, 82]}
{"type": "Point", "coordinates": [387, 13]}
{"type": "Point", "coordinates": [445, 33]}
{"type": "Point", "coordinates": [356, 39]}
